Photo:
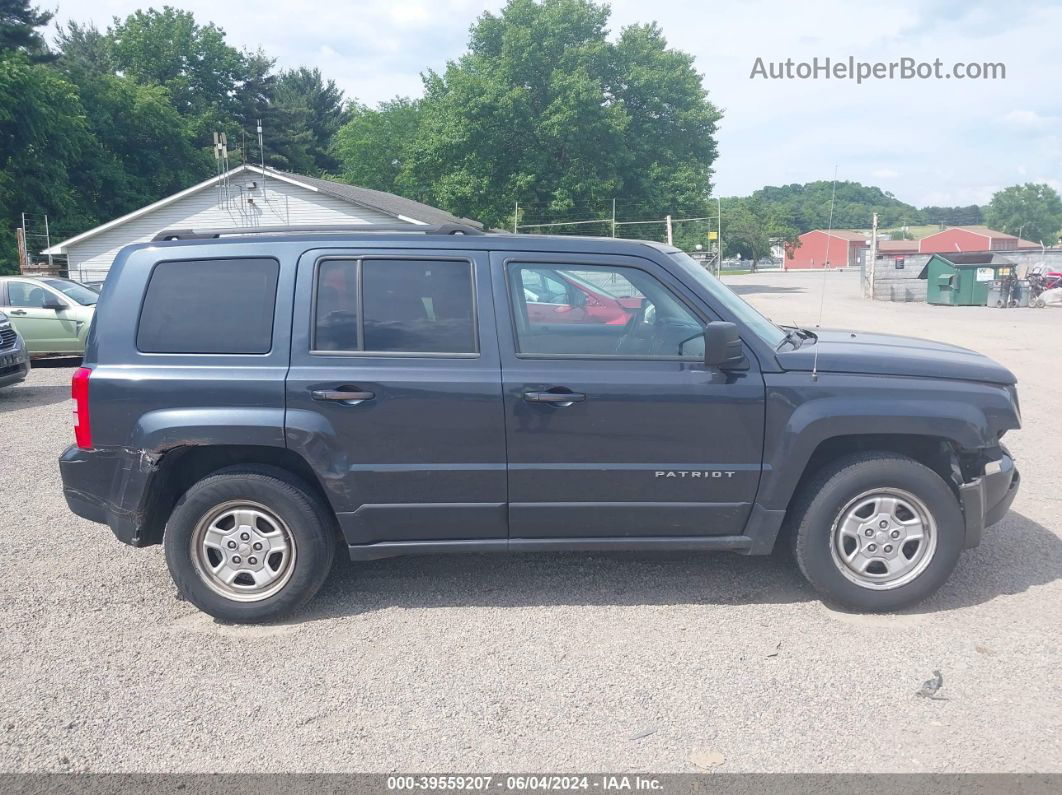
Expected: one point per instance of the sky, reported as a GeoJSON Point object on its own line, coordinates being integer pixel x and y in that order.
{"type": "Point", "coordinates": [929, 142]}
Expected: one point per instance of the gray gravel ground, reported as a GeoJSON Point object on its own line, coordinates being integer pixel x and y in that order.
{"type": "Point", "coordinates": [543, 662]}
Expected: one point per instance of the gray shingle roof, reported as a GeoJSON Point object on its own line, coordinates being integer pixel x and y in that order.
{"type": "Point", "coordinates": [379, 200]}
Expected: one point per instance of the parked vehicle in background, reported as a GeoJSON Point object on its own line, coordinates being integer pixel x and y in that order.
{"type": "Point", "coordinates": [14, 359]}
{"type": "Point", "coordinates": [555, 296]}
{"type": "Point", "coordinates": [249, 400]}
{"type": "Point", "coordinates": [52, 314]}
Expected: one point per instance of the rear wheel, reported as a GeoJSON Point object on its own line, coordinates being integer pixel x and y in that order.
{"type": "Point", "coordinates": [877, 531]}
{"type": "Point", "coordinates": [248, 545]}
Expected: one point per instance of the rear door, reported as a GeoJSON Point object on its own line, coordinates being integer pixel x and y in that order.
{"type": "Point", "coordinates": [394, 393]}
{"type": "Point", "coordinates": [619, 429]}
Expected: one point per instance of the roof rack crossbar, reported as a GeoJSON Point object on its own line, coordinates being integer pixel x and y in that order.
{"type": "Point", "coordinates": [208, 234]}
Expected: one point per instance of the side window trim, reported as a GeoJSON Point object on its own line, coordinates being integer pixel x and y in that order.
{"type": "Point", "coordinates": [512, 263]}
{"type": "Point", "coordinates": [358, 261]}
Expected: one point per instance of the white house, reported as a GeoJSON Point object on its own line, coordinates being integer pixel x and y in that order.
{"type": "Point", "coordinates": [246, 196]}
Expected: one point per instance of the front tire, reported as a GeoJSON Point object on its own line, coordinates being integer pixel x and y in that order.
{"type": "Point", "coordinates": [249, 544]}
{"type": "Point", "coordinates": [877, 531]}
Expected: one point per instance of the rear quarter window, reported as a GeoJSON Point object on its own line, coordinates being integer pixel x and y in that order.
{"type": "Point", "coordinates": [222, 306]}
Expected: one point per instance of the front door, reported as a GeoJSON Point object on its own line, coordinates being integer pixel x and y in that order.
{"type": "Point", "coordinates": [44, 330]}
{"type": "Point", "coordinates": [394, 394]}
{"type": "Point", "coordinates": [618, 429]}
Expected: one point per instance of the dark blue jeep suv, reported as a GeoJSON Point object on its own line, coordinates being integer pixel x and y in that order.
{"type": "Point", "coordinates": [254, 400]}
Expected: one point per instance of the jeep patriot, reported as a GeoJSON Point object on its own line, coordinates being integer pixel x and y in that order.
{"type": "Point", "coordinates": [254, 400]}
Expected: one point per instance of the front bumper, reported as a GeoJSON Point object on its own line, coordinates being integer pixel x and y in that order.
{"type": "Point", "coordinates": [14, 364]}
{"type": "Point", "coordinates": [109, 487]}
{"type": "Point", "coordinates": [986, 499]}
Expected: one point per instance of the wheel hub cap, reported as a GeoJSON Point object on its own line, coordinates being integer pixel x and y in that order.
{"type": "Point", "coordinates": [883, 539]}
{"type": "Point", "coordinates": [243, 551]}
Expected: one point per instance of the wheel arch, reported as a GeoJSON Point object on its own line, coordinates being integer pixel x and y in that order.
{"type": "Point", "coordinates": [181, 467]}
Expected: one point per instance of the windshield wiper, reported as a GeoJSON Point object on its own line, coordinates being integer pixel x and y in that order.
{"type": "Point", "coordinates": [795, 335]}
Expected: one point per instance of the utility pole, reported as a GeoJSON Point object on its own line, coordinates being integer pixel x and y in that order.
{"type": "Point", "coordinates": [23, 255]}
{"type": "Point", "coordinates": [873, 252]}
{"type": "Point", "coordinates": [668, 221]}
{"type": "Point", "coordinates": [48, 241]}
{"type": "Point", "coordinates": [613, 217]}
{"type": "Point", "coordinates": [516, 215]}
{"type": "Point", "coordinates": [719, 235]}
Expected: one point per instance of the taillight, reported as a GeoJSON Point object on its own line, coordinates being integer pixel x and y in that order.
{"type": "Point", "coordinates": [79, 391]}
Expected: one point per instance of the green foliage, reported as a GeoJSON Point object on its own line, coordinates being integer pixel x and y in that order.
{"type": "Point", "coordinates": [18, 29]}
{"type": "Point", "coordinates": [953, 216]}
{"type": "Point", "coordinates": [43, 133]}
{"type": "Point", "coordinates": [373, 147]}
{"type": "Point", "coordinates": [1032, 211]}
{"type": "Point", "coordinates": [807, 207]}
{"type": "Point", "coordinates": [119, 119]}
{"type": "Point", "coordinates": [543, 109]}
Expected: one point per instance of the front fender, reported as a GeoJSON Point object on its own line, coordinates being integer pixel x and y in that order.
{"type": "Point", "coordinates": [802, 414]}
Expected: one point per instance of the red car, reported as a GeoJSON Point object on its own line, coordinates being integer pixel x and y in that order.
{"type": "Point", "coordinates": [555, 296]}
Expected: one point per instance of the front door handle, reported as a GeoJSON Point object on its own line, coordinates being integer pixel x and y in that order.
{"type": "Point", "coordinates": [561, 399]}
{"type": "Point", "coordinates": [17, 312]}
{"type": "Point", "coordinates": [351, 397]}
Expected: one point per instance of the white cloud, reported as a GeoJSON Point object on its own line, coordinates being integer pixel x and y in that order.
{"type": "Point", "coordinates": [928, 141]}
{"type": "Point", "coordinates": [1027, 120]}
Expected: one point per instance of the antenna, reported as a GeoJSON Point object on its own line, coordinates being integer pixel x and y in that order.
{"type": "Point", "coordinates": [825, 267]}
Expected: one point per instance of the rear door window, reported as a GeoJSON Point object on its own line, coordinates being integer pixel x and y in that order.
{"type": "Point", "coordinates": [395, 306]}
{"type": "Point", "coordinates": [219, 306]}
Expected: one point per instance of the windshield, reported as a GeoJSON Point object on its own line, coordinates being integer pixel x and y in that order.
{"type": "Point", "coordinates": [760, 326]}
{"type": "Point", "coordinates": [85, 296]}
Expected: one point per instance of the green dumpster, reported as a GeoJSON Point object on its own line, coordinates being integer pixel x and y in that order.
{"type": "Point", "coordinates": [962, 279]}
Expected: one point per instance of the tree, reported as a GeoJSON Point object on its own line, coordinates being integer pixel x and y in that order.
{"type": "Point", "coordinates": [18, 29]}
{"type": "Point", "coordinates": [543, 109]}
{"type": "Point", "coordinates": [808, 206]}
{"type": "Point", "coordinates": [320, 107]}
{"type": "Point", "coordinates": [373, 147]}
{"type": "Point", "coordinates": [1032, 211]}
{"type": "Point", "coordinates": [42, 135]}
{"type": "Point", "coordinates": [201, 72]}
{"type": "Point", "coordinates": [953, 216]}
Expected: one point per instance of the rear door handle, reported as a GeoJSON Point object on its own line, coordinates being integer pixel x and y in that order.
{"type": "Point", "coordinates": [561, 399]}
{"type": "Point", "coordinates": [352, 397]}
{"type": "Point", "coordinates": [17, 312]}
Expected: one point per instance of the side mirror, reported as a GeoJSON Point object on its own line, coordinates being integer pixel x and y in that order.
{"type": "Point", "coordinates": [722, 345]}
{"type": "Point", "coordinates": [53, 303]}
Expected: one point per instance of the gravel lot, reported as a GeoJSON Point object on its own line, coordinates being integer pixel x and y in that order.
{"type": "Point", "coordinates": [543, 662]}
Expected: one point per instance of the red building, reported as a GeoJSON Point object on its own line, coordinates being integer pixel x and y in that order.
{"type": "Point", "coordinates": [820, 249]}
{"type": "Point", "coordinates": [971, 238]}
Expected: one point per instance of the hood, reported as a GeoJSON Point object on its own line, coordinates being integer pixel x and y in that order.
{"type": "Point", "coordinates": [889, 354]}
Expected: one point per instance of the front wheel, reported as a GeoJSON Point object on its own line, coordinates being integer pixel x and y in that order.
{"type": "Point", "coordinates": [249, 545]}
{"type": "Point", "coordinates": [877, 532]}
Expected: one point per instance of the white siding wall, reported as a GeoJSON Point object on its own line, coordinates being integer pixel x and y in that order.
{"type": "Point", "coordinates": [281, 204]}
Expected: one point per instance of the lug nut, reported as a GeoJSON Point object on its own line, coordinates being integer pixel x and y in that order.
{"type": "Point", "coordinates": [252, 560]}
{"type": "Point", "coordinates": [869, 533]}
{"type": "Point", "coordinates": [871, 547]}
{"type": "Point", "coordinates": [235, 558]}
{"type": "Point", "coordinates": [895, 533]}
{"type": "Point", "coordinates": [883, 524]}
{"type": "Point", "coordinates": [257, 544]}
{"type": "Point", "coordinates": [232, 545]}
{"type": "Point", "coordinates": [888, 548]}
{"type": "Point", "coordinates": [245, 536]}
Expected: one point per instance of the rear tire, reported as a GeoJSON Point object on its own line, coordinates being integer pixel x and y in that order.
{"type": "Point", "coordinates": [877, 531]}
{"type": "Point", "coordinates": [249, 544]}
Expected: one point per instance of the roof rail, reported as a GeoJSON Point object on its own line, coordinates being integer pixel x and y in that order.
{"type": "Point", "coordinates": [207, 234]}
